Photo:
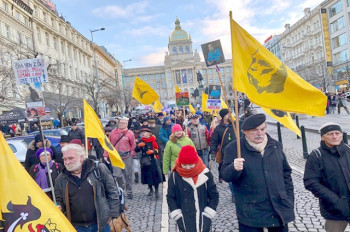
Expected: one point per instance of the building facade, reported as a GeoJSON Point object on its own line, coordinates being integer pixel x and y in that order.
{"type": "Point", "coordinates": [181, 65]}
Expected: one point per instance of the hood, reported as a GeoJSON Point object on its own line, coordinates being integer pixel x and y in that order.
{"type": "Point", "coordinates": [32, 146]}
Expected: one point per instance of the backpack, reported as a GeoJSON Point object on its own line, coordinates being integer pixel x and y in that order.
{"type": "Point", "coordinates": [121, 194]}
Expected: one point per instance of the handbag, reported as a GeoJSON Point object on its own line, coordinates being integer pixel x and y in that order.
{"type": "Point", "coordinates": [218, 155]}
{"type": "Point", "coordinates": [145, 162]}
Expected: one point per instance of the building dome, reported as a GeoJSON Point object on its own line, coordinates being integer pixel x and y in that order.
{"type": "Point", "coordinates": [179, 34]}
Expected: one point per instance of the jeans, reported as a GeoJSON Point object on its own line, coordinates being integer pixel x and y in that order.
{"type": "Point", "coordinates": [204, 154]}
{"type": "Point", "coordinates": [92, 228]}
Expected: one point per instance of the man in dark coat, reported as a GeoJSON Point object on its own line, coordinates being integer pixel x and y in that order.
{"type": "Point", "coordinates": [261, 179]}
{"type": "Point", "coordinates": [77, 133]}
{"type": "Point", "coordinates": [327, 176]}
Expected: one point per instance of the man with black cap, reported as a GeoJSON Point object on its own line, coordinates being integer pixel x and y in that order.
{"type": "Point", "coordinates": [327, 176]}
{"type": "Point", "coordinates": [261, 179]}
{"type": "Point", "coordinates": [160, 117]}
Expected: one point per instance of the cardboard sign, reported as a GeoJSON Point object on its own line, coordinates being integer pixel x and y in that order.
{"type": "Point", "coordinates": [34, 101]}
{"type": "Point", "coordinates": [213, 53]}
{"type": "Point", "coordinates": [30, 71]}
{"type": "Point", "coordinates": [182, 99]}
{"type": "Point", "coordinates": [213, 104]}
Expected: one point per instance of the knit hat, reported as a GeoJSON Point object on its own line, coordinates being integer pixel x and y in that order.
{"type": "Point", "coordinates": [41, 150]}
{"type": "Point", "coordinates": [329, 126]}
{"type": "Point", "coordinates": [76, 141]}
{"type": "Point", "coordinates": [108, 129]}
{"type": "Point", "coordinates": [223, 112]}
{"type": "Point", "coordinates": [65, 139]}
{"type": "Point", "coordinates": [176, 127]}
{"type": "Point", "coordinates": [146, 128]}
{"type": "Point", "coordinates": [38, 138]}
{"type": "Point", "coordinates": [253, 121]}
{"type": "Point", "coordinates": [188, 155]}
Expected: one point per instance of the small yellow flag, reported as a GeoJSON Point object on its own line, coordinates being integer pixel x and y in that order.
{"type": "Point", "coordinates": [191, 109]}
{"type": "Point", "coordinates": [223, 104]}
{"type": "Point", "coordinates": [24, 205]}
{"type": "Point", "coordinates": [157, 106]}
{"type": "Point", "coordinates": [267, 81]}
{"type": "Point", "coordinates": [284, 118]}
{"type": "Point", "coordinates": [204, 103]}
{"type": "Point", "coordinates": [177, 89]}
{"type": "Point", "coordinates": [143, 93]}
{"type": "Point", "coordinates": [93, 129]}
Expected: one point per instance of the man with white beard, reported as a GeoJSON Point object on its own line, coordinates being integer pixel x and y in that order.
{"type": "Point", "coordinates": [86, 192]}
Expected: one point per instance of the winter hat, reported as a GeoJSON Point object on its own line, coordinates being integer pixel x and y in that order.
{"type": "Point", "coordinates": [160, 114]}
{"type": "Point", "coordinates": [223, 112]}
{"type": "Point", "coordinates": [253, 121]}
{"type": "Point", "coordinates": [166, 119]}
{"type": "Point", "coordinates": [41, 150]}
{"type": "Point", "coordinates": [188, 155]}
{"type": "Point", "coordinates": [176, 127]}
{"type": "Point", "coordinates": [38, 138]}
{"type": "Point", "coordinates": [76, 141]}
{"type": "Point", "coordinates": [329, 126]}
{"type": "Point", "coordinates": [146, 128]}
{"type": "Point", "coordinates": [65, 139]}
{"type": "Point", "coordinates": [108, 129]}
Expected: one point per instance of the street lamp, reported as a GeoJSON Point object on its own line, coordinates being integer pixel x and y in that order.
{"type": "Point", "coordinates": [97, 79]}
{"type": "Point", "coordinates": [125, 62]}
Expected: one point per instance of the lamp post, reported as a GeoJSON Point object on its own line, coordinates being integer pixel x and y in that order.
{"type": "Point", "coordinates": [97, 78]}
{"type": "Point", "coordinates": [125, 62]}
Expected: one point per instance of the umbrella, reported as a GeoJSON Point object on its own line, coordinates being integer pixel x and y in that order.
{"type": "Point", "coordinates": [15, 115]}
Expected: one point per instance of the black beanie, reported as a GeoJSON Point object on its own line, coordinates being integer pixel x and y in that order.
{"type": "Point", "coordinates": [223, 112]}
{"type": "Point", "coordinates": [330, 126]}
{"type": "Point", "coordinates": [253, 121]}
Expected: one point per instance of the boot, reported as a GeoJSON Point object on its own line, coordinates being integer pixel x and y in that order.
{"type": "Point", "coordinates": [136, 177]}
{"type": "Point", "coordinates": [156, 192]}
{"type": "Point", "coordinates": [150, 192]}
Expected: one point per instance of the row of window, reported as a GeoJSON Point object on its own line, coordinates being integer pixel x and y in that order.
{"type": "Point", "coordinates": [181, 50]}
{"type": "Point", "coordinates": [20, 17]}
{"type": "Point", "coordinates": [15, 35]}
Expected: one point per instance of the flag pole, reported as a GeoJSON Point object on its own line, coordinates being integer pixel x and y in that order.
{"type": "Point", "coordinates": [47, 162]}
{"type": "Point", "coordinates": [225, 98]}
{"type": "Point", "coordinates": [235, 80]}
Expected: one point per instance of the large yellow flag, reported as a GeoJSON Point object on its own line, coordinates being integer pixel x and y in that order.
{"type": "Point", "coordinates": [284, 118]}
{"type": "Point", "coordinates": [23, 204]}
{"type": "Point", "coordinates": [204, 103]}
{"type": "Point", "coordinates": [93, 129]}
{"type": "Point", "coordinates": [267, 81]}
{"type": "Point", "coordinates": [157, 106]}
{"type": "Point", "coordinates": [143, 93]}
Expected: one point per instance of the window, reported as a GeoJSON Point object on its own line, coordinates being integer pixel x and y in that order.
{"type": "Point", "coordinates": [151, 77]}
{"type": "Point", "coordinates": [339, 40]}
{"type": "Point", "coordinates": [44, 16]}
{"type": "Point", "coordinates": [17, 15]}
{"type": "Point", "coordinates": [187, 49]}
{"type": "Point", "coordinates": [25, 20]}
{"type": "Point", "coordinates": [181, 50]}
{"type": "Point", "coordinates": [204, 71]}
{"type": "Point", "coordinates": [337, 24]}
{"type": "Point", "coordinates": [47, 39]}
{"type": "Point", "coordinates": [18, 37]}
{"type": "Point", "coordinates": [36, 11]}
{"type": "Point", "coordinates": [162, 75]}
{"type": "Point", "coordinates": [209, 71]}
{"type": "Point", "coordinates": [163, 85]}
{"type": "Point", "coordinates": [157, 76]}
{"type": "Point", "coordinates": [174, 50]}
{"type": "Point", "coordinates": [189, 75]}
{"type": "Point", "coordinates": [348, 2]}
{"type": "Point", "coordinates": [7, 31]}
{"type": "Point", "coordinates": [4, 6]}
{"type": "Point", "coordinates": [54, 43]}
{"type": "Point", "coordinates": [145, 77]}
{"type": "Point", "coordinates": [62, 47]}
{"type": "Point", "coordinates": [227, 69]}
{"type": "Point", "coordinates": [158, 85]}
{"type": "Point", "coordinates": [341, 57]}
{"type": "Point", "coordinates": [335, 9]}
{"type": "Point", "coordinates": [52, 22]}
{"type": "Point", "coordinates": [38, 33]}
{"type": "Point", "coordinates": [210, 80]}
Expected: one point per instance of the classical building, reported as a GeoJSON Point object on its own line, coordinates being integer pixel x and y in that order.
{"type": "Point", "coordinates": [273, 45]}
{"type": "Point", "coordinates": [181, 65]}
{"type": "Point", "coordinates": [34, 28]}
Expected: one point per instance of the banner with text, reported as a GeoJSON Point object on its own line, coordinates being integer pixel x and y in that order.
{"type": "Point", "coordinates": [30, 71]}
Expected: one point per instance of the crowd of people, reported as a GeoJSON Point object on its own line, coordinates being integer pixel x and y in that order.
{"type": "Point", "coordinates": [176, 149]}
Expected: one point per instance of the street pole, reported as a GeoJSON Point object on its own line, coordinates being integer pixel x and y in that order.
{"type": "Point", "coordinates": [99, 106]}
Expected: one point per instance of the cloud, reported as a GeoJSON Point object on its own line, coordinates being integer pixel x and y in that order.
{"type": "Point", "coordinates": [115, 11]}
{"type": "Point", "coordinates": [153, 59]}
{"type": "Point", "coordinates": [147, 31]}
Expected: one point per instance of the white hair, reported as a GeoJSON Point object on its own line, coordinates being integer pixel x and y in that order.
{"type": "Point", "coordinates": [328, 124]}
{"type": "Point", "coordinates": [77, 148]}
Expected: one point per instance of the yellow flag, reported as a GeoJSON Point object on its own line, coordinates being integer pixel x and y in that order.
{"type": "Point", "coordinates": [267, 81]}
{"type": "Point", "coordinates": [223, 104]}
{"type": "Point", "coordinates": [93, 129]}
{"type": "Point", "coordinates": [157, 106]}
{"type": "Point", "coordinates": [143, 93]}
{"type": "Point", "coordinates": [177, 89]}
{"type": "Point", "coordinates": [204, 103]}
{"type": "Point", "coordinates": [24, 205]}
{"type": "Point", "coordinates": [191, 109]}
{"type": "Point", "coordinates": [284, 118]}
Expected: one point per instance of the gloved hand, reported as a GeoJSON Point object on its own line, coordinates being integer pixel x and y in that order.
{"type": "Point", "coordinates": [212, 156]}
{"type": "Point", "coordinates": [150, 152]}
{"type": "Point", "coordinates": [141, 144]}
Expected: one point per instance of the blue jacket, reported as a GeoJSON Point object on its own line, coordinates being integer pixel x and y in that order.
{"type": "Point", "coordinates": [165, 132]}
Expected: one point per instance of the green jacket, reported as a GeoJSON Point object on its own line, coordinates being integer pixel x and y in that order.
{"type": "Point", "coordinates": [172, 150]}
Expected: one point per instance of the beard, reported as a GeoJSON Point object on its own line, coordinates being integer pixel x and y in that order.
{"type": "Point", "coordinates": [74, 166]}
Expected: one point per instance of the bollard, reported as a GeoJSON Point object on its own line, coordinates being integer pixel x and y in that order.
{"type": "Point", "coordinates": [345, 137]}
{"type": "Point", "coordinates": [303, 139]}
{"type": "Point", "coordinates": [279, 132]}
{"type": "Point", "coordinates": [297, 122]}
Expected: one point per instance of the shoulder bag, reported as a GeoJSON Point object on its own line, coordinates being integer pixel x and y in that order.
{"type": "Point", "coordinates": [218, 155]}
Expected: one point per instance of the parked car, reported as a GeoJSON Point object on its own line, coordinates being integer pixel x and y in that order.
{"type": "Point", "coordinates": [51, 132]}
{"type": "Point", "coordinates": [18, 143]}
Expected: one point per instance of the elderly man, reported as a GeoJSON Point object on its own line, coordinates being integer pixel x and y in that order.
{"type": "Point", "coordinates": [262, 179]}
{"type": "Point", "coordinates": [92, 194]}
{"type": "Point", "coordinates": [327, 176]}
{"type": "Point", "coordinates": [124, 142]}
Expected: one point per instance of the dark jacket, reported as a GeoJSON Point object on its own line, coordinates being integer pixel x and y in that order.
{"type": "Point", "coordinates": [193, 206]}
{"type": "Point", "coordinates": [264, 188]}
{"type": "Point", "coordinates": [216, 137]}
{"type": "Point", "coordinates": [30, 156]}
{"type": "Point", "coordinates": [77, 134]}
{"type": "Point", "coordinates": [104, 190]}
{"type": "Point", "coordinates": [327, 176]}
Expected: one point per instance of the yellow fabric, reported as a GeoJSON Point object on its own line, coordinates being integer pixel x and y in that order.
{"type": "Point", "coordinates": [157, 106]}
{"type": "Point", "coordinates": [267, 81]}
{"type": "Point", "coordinates": [177, 89]}
{"type": "Point", "coordinates": [143, 93]}
{"type": "Point", "coordinates": [19, 188]}
{"type": "Point", "coordinates": [93, 129]}
{"type": "Point", "coordinates": [191, 109]}
{"type": "Point", "coordinates": [204, 103]}
{"type": "Point", "coordinates": [285, 119]}
{"type": "Point", "coordinates": [223, 104]}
